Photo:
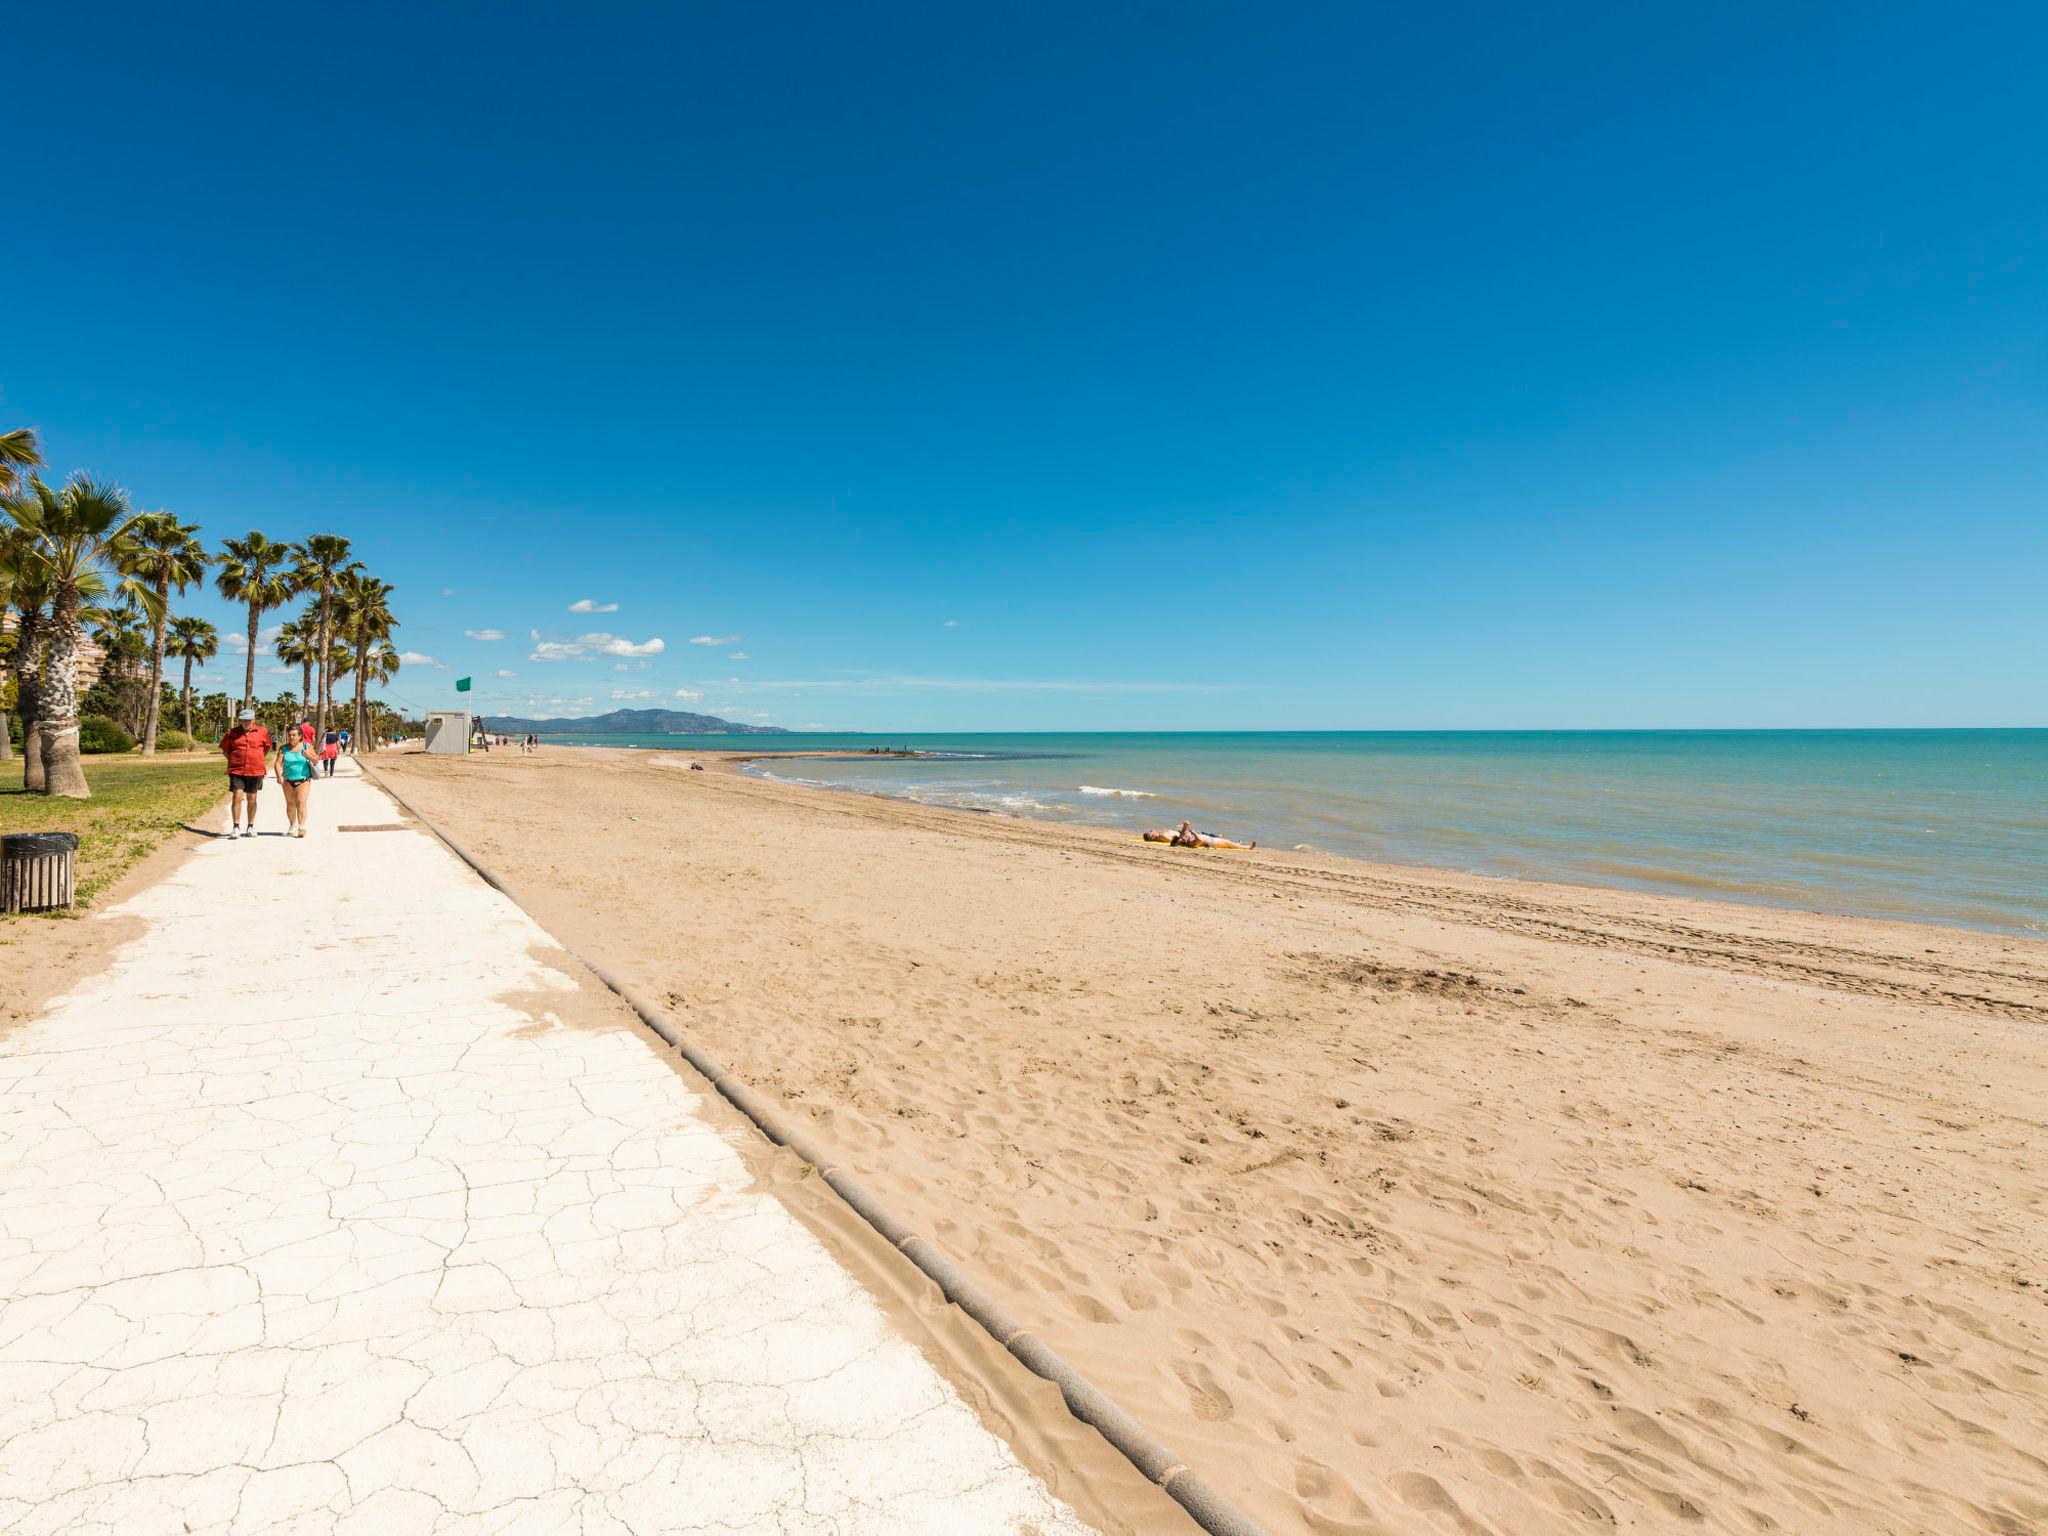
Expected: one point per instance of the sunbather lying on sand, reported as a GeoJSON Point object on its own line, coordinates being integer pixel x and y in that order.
{"type": "Point", "coordinates": [1188, 837]}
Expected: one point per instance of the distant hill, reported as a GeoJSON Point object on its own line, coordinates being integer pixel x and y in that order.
{"type": "Point", "coordinates": [630, 722]}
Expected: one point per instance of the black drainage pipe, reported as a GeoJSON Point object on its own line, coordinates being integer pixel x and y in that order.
{"type": "Point", "coordinates": [1086, 1401]}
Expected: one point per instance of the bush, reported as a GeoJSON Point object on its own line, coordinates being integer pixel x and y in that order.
{"type": "Point", "coordinates": [173, 741]}
{"type": "Point", "coordinates": [98, 734]}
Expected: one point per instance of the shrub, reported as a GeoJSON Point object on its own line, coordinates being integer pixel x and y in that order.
{"type": "Point", "coordinates": [173, 741]}
{"type": "Point", "coordinates": [98, 734]}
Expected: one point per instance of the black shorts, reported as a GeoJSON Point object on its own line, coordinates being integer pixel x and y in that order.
{"type": "Point", "coordinates": [247, 783]}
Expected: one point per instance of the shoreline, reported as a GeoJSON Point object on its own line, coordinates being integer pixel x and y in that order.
{"type": "Point", "coordinates": [1940, 826]}
{"type": "Point", "coordinates": [734, 764]}
{"type": "Point", "coordinates": [1362, 1186]}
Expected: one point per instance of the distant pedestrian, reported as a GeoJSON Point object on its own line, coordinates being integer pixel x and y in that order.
{"type": "Point", "coordinates": [348, 741]}
{"type": "Point", "coordinates": [295, 778]}
{"type": "Point", "coordinates": [330, 749]}
{"type": "Point", "coordinates": [246, 746]}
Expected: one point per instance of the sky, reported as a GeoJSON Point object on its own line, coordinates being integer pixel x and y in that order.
{"type": "Point", "coordinates": [943, 367]}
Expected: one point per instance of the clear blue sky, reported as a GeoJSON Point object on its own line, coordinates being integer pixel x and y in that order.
{"type": "Point", "coordinates": [1082, 366]}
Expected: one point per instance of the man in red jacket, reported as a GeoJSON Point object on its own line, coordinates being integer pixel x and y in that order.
{"type": "Point", "coordinates": [246, 746]}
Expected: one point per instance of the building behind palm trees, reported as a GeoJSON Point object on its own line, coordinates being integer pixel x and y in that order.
{"type": "Point", "coordinates": [90, 657]}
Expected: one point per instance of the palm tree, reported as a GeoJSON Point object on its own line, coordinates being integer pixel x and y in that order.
{"type": "Point", "coordinates": [167, 555]}
{"type": "Point", "coordinates": [17, 452]}
{"type": "Point", "coordinates": [216, 714]}
{"type": "Point", "coordinates": [118, 630]}
{"type": "Point", "coordinates": [296, 647]}
{"type": "Point", "coordinates": [23, 582]}
{"type": "Point", "coordinates": [72, 535]}
{"type": "Point", "coordinates": [253, 571]}
{"type": "Point", "coordinates": [322, 560]}
{"type": "Point", "coordinates": [17, 590]}
{"type": "Point", "coordinates": [381, 668]}
{"type": "Point", "coordinates": [195, 640]}
{"type": "Point", "coordinates": [366, 622]}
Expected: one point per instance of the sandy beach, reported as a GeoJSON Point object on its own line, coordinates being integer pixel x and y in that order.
{"type": "Point", "coordinates": [1393, 1200]}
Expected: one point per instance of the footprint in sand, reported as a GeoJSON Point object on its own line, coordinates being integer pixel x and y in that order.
{"type": "Point", "coordinates": [1206, 1398]}
{"type": "Point", "coordinates": [1089, 1309]}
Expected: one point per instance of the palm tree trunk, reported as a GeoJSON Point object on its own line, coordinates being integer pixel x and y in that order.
{"type": "Point", "coordinates": [249, 674]}
{"type": "Point", "coordinates": [322, 639]}
{"type": "Point", "coordinates": [63, 773]}
{"type": "Point", "coordinates": [365, 742]}
{"type": "Point", "coordinates": [306, 684]}
{"type": "Point", "coordinates": [130, 692]}
{"type": "Point", "coordinates": [188, 693]}
{"type": "Point", "coordinates": [156, 669]}
{"type": "Point", "coordinates": [28, 678]}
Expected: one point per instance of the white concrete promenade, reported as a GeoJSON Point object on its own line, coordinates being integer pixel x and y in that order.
{"type": "Point", "coordinates": [312, 1219]}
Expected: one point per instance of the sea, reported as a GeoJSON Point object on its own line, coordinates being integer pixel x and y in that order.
{"type": "Point", "coordinates": [1939, 826]}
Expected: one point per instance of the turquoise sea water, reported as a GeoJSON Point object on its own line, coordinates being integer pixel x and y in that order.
{"type": "Point", "coordinates": [1943, 826]}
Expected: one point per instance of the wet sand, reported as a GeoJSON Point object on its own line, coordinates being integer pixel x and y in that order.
{"type": "Point", "coordinates": [1393, 1200]}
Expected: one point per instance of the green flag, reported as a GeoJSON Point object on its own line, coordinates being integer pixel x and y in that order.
{"type": "Point", "coordinates": [462, 685]}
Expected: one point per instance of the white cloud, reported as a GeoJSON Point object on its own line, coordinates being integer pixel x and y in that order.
{"type": "Point", "coordinates": [597, 644]}
{"type": "Point", "coordinates": [533, 634]}
{"type": "Point", "coordinates": [447, 591]}
{"type": "Point", "coordinates": [485, 634]}
{"type": "Point", "coordinates": [612, 645]}
{"type": "Point", "coordinates": [622, 666]}
{"type": "Point", "coordinates": [501, 672]}
{"type": "Point", "coordinates": [266, 637]}
{"type": "Point", "coordinates": [418, 659]}
{"type": "Point", "coordinates": [588, 605]}
{"type": "Point", "coordinates": [739, 656]}
{"type": "Point", "coordinates": [952, 623]}
{"type": "Point", "coordinates": [714, 640]}
{"type": "Point", "coordinates": [632, 693]}
{"type": "Point", "coordinates": [689, 695]}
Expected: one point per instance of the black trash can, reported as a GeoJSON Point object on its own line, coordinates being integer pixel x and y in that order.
{"type": "Point", "coordinates": [35, 871]}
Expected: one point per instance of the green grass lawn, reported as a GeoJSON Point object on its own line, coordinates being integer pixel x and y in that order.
{"type": "Point", "coordinates": [136, 803]}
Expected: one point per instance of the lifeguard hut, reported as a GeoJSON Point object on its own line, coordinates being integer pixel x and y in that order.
{"type": "Point", "coordinates": [448, 731]}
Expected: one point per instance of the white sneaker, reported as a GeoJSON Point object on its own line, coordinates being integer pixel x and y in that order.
{"type": "Point", "coordinates": [228, 830]}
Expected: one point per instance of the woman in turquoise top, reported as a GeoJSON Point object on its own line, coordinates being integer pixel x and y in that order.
{"type": "Point", "coordinates": [295, 777]}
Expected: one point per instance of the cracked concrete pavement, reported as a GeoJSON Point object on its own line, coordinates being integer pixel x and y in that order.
{"type": "Point", "coordinates": [314, 1219]}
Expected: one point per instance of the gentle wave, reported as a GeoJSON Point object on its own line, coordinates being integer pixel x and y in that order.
{"type": "Point", "coordinates": [1128, 794]}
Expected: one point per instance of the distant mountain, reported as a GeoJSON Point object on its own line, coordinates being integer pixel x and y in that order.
{"type": "Point", "coordinates": [629, 722]}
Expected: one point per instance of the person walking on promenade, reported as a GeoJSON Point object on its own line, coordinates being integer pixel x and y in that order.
{"type": "Point", "coordinates": [330, 749]}
{"type": "Point", "coordinates": [246, 746]}
{"type": "Point", "coordinates": [295, 778]}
